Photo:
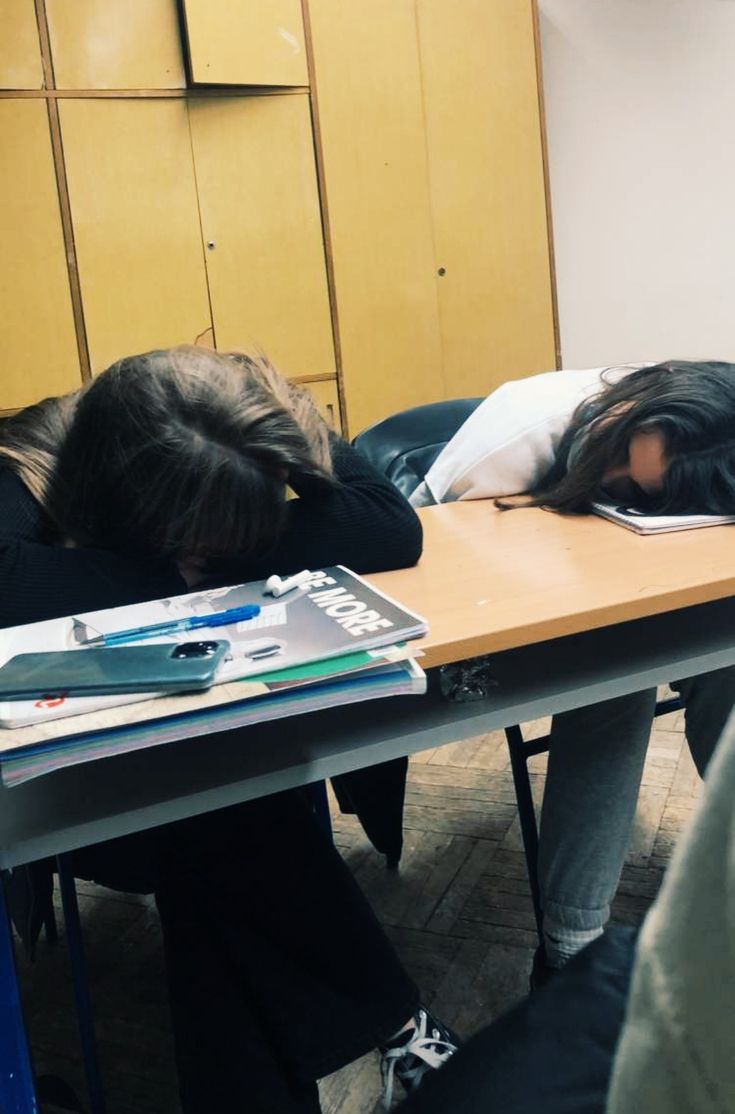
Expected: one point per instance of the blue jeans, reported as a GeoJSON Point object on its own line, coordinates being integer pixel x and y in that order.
{"type": "Point", "coordinates": [596, 761]}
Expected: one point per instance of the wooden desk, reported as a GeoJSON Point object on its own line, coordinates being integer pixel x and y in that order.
{"type": "Point", "coordinates": [573, 610]}
{"type": "Point", "coordinates": [491, 580]}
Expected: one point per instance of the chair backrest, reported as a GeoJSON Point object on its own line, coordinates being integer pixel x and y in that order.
{"type": "Point", "coordinates": [405, 445]}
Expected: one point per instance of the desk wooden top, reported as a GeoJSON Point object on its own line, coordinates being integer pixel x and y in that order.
{"type": "Point", "coordinates": [492, 580]}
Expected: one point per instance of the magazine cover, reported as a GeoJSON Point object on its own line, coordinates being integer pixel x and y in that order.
{"type": "Point", "coordinates": [643, 523]}
{"type": "Point", "coordinates": [333, 613]}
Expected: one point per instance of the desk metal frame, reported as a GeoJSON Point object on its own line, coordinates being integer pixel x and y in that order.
{"type": "Point", "coordinates": [101, 800]}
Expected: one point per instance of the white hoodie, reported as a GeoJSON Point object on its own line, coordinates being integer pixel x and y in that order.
{"type": "Point", "coordinates": [511, 439]}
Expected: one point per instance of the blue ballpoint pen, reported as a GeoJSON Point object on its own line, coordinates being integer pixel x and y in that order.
{"type": "Point", "coordinates": [174, 626]}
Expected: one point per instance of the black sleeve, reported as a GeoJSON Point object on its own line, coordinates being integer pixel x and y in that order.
{"type": "Point", "coordinates": [363, 522]}
{"type": "Point", "coordinates": [39, 580]}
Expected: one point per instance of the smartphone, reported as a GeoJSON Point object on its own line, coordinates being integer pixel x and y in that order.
{"type": "Point", "coordinates": [101, 671]}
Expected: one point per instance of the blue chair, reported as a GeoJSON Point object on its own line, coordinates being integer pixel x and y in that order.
{"type": "Point", "coordinates": [403, 447]}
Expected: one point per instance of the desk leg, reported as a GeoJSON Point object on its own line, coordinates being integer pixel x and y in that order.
{"type": "Point", "coordinates": [17, 1091]}
{"type": "Point", "coordinates": [320, 803]}
{"type": "Point", "coordinates": [520, 752]}
{"type": "Point", "coordinates": [81, 984]}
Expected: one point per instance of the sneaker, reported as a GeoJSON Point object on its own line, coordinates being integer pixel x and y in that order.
{"type": "Point", "coordinates": [411, 1054]}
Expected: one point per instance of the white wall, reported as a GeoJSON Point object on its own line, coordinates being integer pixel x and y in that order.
{"type": "Point", "coordinates": [640, 104]}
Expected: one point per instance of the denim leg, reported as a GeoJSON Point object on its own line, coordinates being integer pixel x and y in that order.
{"type": "Point", "coordinates": [596, 760]}
{"type": "Point", "coordinates": [708, 700]}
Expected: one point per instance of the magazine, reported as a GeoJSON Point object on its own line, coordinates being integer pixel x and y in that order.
{"type": "Point", "coordinates": [334, 613]}
{"type": "Point", "coordinates": [643, 523]}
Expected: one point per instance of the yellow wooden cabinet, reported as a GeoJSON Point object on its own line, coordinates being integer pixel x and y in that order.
{"type": "Point", "coordinates": [115, 44]}
{"type": "Point", "coordinates": [326, 396]}
{"type": "Point", "coordinates": [38, 340]}
{"type": "Point", "coordinates": [20, 50]}
{"type": "Point", "coordinates": [431, 147]}
{"type": "Point", "coordinates": [136, 224]}
{"type": "Point", "coordinates": [248, 42]}
{"type": "Point", "coordinates": [261, 225]}
{"type": "Point", "coordinates": [486, 173]}
{"type": "Point", "coordinates": [371, 126]}
{"type": "Point", "coordinates": [386, 230]}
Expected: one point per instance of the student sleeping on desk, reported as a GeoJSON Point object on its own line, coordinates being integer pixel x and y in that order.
{"type": "Point", "coordinates": [661, 437]}
{"type": "Point", "coordinates": [169, 470]}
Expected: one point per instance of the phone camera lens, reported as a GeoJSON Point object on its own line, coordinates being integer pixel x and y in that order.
{"type": "Point", "coordinates": [195, 650]}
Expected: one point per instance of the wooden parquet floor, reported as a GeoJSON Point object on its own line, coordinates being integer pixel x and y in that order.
{"type": "Point", "coordinates": [458, 912]}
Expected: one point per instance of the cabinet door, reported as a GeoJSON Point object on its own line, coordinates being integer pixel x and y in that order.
{"type": "Point", "coordinates": [261, 224]}
{"type": "Point", "coordinates": [326, 396]}
{"type": "Point", "coordinates": [251, 42]}
{"type": "Point", "coordinates": [115, 44]}
{"type": "Point", "coordinates": [20, 51]}
{"type": "Point", "coordinates": [368, 88]}
{"type": "Point", "coordinates": [38, 339]}
{"type": "Point", "coordinates": [136, 225]}
{"type": "Point", "coordinates": [483, 134]}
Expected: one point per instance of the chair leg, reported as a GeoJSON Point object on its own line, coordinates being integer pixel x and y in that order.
{"type": "Point", "coordinates": [320, 804]}
{"type": "Point", "coordinates": [526, 814]}
{"type": "Point", "coordinates": [50, 926]}
{"type": "Point", "coordinates": [81, 984]}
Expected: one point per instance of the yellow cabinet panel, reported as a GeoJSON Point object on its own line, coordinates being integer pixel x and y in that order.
{"type": "Point", "coordinates": [326, 396]}
{"type": "Point", "coordinates": [487, 189]}
{"type": "Point", "coordinates": [20, 52]}
{"type": "Point", "coordinates": [368, 88]}
{"type": "Point", "coordinates": [37, 337]}
{"type": "Point", "coordinates": [251, 42]}
{"type": "Point", "coordinates": [136, 225]}
{"type": "Point", "coordinates": [115, 44]}
{"type": "Point", "coordinates": [261, 225]}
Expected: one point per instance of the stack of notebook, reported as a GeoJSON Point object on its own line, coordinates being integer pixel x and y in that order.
{"type": "Point", "coordinates": [334, 640]}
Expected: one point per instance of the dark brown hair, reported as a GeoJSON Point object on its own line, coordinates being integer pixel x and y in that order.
{"type": "Point", "coordinates": [691, 403]}
{"type": "Point", "coordinates": [179, 452]}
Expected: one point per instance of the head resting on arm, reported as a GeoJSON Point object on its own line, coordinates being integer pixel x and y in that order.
{"type": "Point", "coordinates": [179, 452]}
{"type": "Point", "coordinates": [661, 438]}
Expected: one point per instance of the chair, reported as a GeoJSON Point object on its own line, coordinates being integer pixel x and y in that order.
{"type": "Point", "coordinates": [403, 447]}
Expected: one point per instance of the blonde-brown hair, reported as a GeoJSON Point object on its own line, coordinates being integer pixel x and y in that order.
{"type": "Point", "coordinates": [178, 451]}
{"type": "Point", "coordinates": [29, 441]}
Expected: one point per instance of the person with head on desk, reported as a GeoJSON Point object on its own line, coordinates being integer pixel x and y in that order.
{"type": "Point", "coordinates": [170, 470]}
{"type": "Point", "coordinates": [660, 437]}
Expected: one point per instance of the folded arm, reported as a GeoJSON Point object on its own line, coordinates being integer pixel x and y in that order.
{"type": "Point", "coordinates": [40, 580]}
{"type": "Point", "coordinates": [363, 522]}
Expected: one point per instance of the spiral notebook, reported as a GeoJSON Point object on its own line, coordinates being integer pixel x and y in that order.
{"type": "Point", "coordinates": [643, 523]}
